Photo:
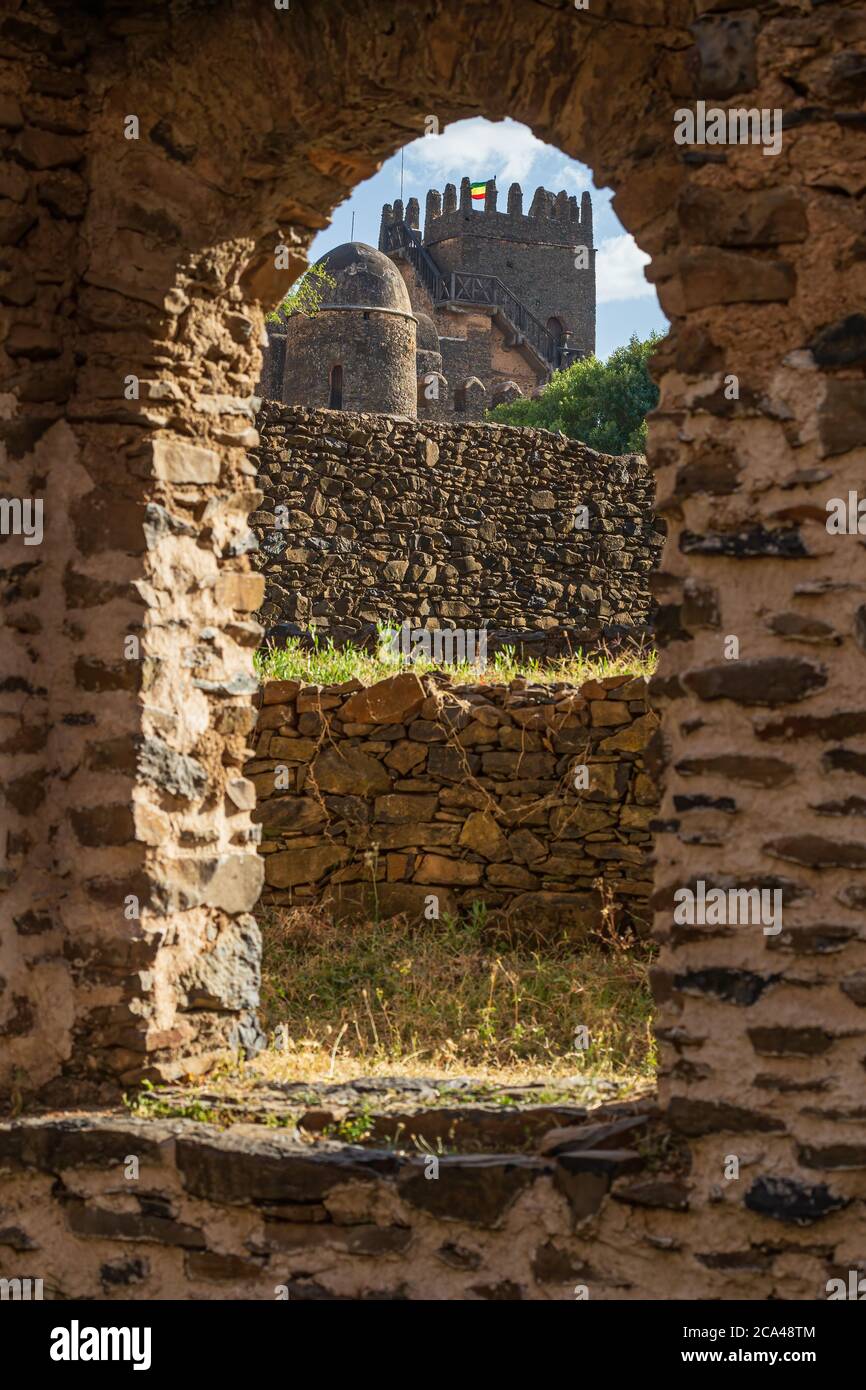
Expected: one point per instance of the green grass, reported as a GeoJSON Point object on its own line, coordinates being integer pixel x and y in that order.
{"type": "Point", "coordinates": [325, 665]}
{"type": "Point", "coordinates": [450, 997]}
{"type": "Point", "coordinates": [148, 1104]}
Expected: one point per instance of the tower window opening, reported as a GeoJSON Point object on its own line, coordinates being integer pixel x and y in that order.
{"type": "Point", "coordinates": [557, 336]}
{"type": "Point", "coordinates": [335, 397]}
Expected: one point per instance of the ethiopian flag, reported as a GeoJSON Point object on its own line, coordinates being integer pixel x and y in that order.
{"type": "Point", "coordinates": [479, 191]}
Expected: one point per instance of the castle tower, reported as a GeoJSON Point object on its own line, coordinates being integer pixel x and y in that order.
{"type": "Point", "coordinates": [358, 351]}
{"type": "Point", "coordinates": [546, 257]}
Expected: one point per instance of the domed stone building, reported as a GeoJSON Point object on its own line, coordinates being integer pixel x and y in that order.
{"type": "Point", "coordinates": [358, 351]}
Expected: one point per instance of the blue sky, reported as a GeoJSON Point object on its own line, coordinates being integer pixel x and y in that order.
{"type": "Point", "coordinates": [509, 152]}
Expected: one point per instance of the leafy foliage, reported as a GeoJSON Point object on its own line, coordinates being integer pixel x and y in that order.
{"type": "Point", "coordinates": [603, 404]}
{"type": "Point", "coordinates": [305, 296]}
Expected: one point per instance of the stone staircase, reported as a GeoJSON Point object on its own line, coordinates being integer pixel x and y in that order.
{"type": "Point", "coordinates": [459, 288]}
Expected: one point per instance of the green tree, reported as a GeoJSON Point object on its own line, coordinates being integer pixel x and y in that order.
{"type": "Point", "coordinates": [305, 296]}
{"type": "Point", "coordinates": [604, 404]}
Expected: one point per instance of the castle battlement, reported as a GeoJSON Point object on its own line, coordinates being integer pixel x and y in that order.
{"type": "Point", "coordinates": [553, 219]}
{"type": "Point", "coordinates": [522, 265]}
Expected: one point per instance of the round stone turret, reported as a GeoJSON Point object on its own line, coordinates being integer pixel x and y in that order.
{"type": "Point", "coordinates": [358, 350]}
{"type": "Point", "coordinates": [432, 386]}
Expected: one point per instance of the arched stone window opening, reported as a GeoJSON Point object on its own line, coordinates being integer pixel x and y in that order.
{"type": "Point", "coordinates": [557, 335]}
{"type": "Point", "coordinates": [335, 388]}
{"type": "Point", "coordinates": [142, 861]}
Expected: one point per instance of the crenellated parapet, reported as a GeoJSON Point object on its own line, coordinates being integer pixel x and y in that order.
{"type": "Point", "coordinates": [553, 218]}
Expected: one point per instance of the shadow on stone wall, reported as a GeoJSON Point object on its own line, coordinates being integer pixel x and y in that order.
{"type": "Point", "coordinates": [371, 519]}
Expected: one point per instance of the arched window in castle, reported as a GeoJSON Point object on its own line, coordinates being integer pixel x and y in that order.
{"type": "Point", "coordinates": [335, 396]}
{"type": "Point", "coordinates": [469, 397]}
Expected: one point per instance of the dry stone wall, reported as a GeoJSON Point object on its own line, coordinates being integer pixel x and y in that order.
{"type": "Point", "coordinates": [385, 519]}
{"type": "Point", "coordinates": [530, 799]}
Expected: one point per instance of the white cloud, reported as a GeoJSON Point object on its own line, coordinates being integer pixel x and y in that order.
{"type": "Point", "coordinates": [479, 148]}
{"type": "Point", "coordinates": [574, 178]}
{"type": "Point", "coordinates": [510, 152]}
{"type": "Point", "coordinates": [619, 270]}
{"type": "Point", "coordinates": [504, 150]}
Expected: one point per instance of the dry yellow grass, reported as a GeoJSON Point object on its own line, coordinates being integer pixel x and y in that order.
{"type": "Point", "coordinates": [447, 998]}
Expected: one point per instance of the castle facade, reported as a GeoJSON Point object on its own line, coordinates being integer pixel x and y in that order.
{"type": "Point", "coordinates": [483, 307]}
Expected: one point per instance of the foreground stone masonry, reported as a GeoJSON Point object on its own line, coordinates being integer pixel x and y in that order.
{"type": "Point", "coordinates": [385, 520]}
{"type": "Point", "coordinates": [255, 1213]}
{"type": "Point", "coordinates": [585, 1204]}
{"type": "Point", "coordinates": [154, 258]}
{"type": "Point", "coordinates": [529, 799]}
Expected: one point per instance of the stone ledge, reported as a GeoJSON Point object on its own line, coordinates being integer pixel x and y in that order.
{"type": "Point", "coordinates": [250, 1207]}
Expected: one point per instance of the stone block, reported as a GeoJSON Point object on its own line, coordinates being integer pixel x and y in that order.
{"type": "Point", "coordinates": [229, 974]}
{"type": "Point", "coordinates": [576, 913]}
{"type": "Point", "coordinates": [483, 836]}
{"type": "Point", "coordinates": [290, 867]}
{"type": "Point", "coordinates": [437, 868]}
{"type": "Point", "coordinates": [395, 700]}
{"type": "Point", "coordinates": [349, 772]}
{"type": "Point", "coordinates": [244, 592]}
{"type": "Point", "coordinates": [175, 461]}
{"type": "Point", "coordinates": [404, 806]}
{"type": "Point", "coordinates": [476, 1190]}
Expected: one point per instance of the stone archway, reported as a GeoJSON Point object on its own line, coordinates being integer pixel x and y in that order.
{"type": "Point", "coordinates": [138, 274]}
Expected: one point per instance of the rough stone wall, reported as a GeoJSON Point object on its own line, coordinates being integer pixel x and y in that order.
{"type": "Point", "coordinates": [154, 257]}
{"type": "Point", "coordinates": [762, 420]}
{"type": "Point", "coordinates": [456, 526]}
{"type": "Point", "coordinates": [129, 864]}
{"type": "Point", "coordinates": [475, 345]}
{"type": "Point", "coordinates": [372, 800]}
{"type": "Point", "coordinates": [43, 707]}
